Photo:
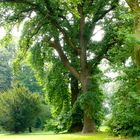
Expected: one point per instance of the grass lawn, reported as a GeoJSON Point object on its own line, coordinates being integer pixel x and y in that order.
{"type": "Point", "coordinates": [46, 136]}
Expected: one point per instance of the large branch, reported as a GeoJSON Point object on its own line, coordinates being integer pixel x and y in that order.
{"type": "Point", "coordinates": [55, 23]}
{"type": "Point", "coordinates": [55, 44]}
{"type": "Point", "coordinates": [66, 36]}
{"type": "Point", "coordinates": [102, 54]}
{"type": "Point", "coordinates": [83, 57]}
{"type": "Point", "coordinates": [18, 16]}
{"type": "Point", "coordinates": [68, 39]}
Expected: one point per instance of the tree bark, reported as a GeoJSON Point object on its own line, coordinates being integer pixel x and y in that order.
{"type": "Point", "coordinates": [137, 35]}
{"type": "Point", "coordinates": [89, 125]}
{"type": "Point", "coordinates": [134, 6]}
{"type": "Point", "coordinates": [74, 89]}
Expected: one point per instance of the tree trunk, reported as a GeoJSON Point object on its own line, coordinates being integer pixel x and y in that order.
{"type": "Point", "coordinates": [135, 7]}
{"type": "Point", "coordinates": [89, 125]}
{"type": "Point", "coordinates": [30, 129]}
{"type": "Point", "coordinates": [76, 124]}
{"type": "Point", "coordinates": [137, 35]}
{"type": "Point", "coordinates": [74, 89]}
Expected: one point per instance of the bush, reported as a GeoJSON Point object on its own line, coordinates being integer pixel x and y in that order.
{"type": "Point", "coordinates": [125, 103]}
{"type": "Point", "coordinates": [18, 109]}
{"type": "Point", "coordinates": [58, 124]}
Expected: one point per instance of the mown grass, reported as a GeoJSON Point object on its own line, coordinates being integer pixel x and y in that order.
{"type": "Point", "coordinates": [46, 136]}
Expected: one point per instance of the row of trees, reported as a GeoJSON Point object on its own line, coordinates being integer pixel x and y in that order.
{"type": "Point", "coordinates": [65, 35]}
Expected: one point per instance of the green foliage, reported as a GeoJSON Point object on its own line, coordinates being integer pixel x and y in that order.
{"type": "Point", "coordinates": [44, 116]}
{"type": "Point", "coordinates": [18, 109]}
{"type": "Point", "coordinates": [57, 96]}
{"type": "Point", "coordinates": [92, 102]}
{"type": "Point", "coordinates": [57, 86]}
{"type": "Point", "coordinates": [76, 118]}
{"type": "Point", "coordinates": [6, 55]}
{"type": "Point", "coordinates": [125, 104]}
{"type": "Point", "coordinates": [54, 80]}
{"type": "Point", "coordinates": [122, 32]}
{"type": "Point", "coordinates": [26, 77]}
{"type": "Point", "coordinates": [61, 123]}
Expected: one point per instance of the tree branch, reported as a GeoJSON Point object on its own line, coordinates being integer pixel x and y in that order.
{"type": "Point", "coordinates": [56, 25]}
{"type": "Point", "coordinates": [83, 57]}
{"type": "Point", "coordinates": [69, 40]}
{"type": "Point", "coordinates": [66, 36]}
{"type": "Point", "coordinates": [98, 16]}
{"type": "Point", "coordinates": [55, 44]}
{"type": "Point", "coordinates": [102, 54]}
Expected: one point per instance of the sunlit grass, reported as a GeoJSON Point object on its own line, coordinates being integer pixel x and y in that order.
{"type": "Point", "coordinates": [46, 136]}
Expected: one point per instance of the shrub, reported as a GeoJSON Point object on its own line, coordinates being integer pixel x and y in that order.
{"type": "Point", "coordinates": [18, 109]}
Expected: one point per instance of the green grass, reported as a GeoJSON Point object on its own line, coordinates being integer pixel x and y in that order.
{"type": "Point", "coordinates": [46, 136]}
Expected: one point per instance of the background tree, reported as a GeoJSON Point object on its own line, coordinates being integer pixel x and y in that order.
{"type": "Point", "coordinates": [6, 75]}
{"type": "Point", "coordinates": [125, 101]}
{"type": "Point", "coordinates": [26, 77]}
{"type": "Point", "coordinates": [125, 105]}
{"type": "Point", "coordinates": [18, 109]}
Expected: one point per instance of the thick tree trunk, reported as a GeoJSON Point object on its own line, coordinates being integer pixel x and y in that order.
{"type": "Point", "coordinates": [89, 125]}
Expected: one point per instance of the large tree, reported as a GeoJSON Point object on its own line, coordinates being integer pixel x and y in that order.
{"type": "Point", "coordinates": [65, 26]}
